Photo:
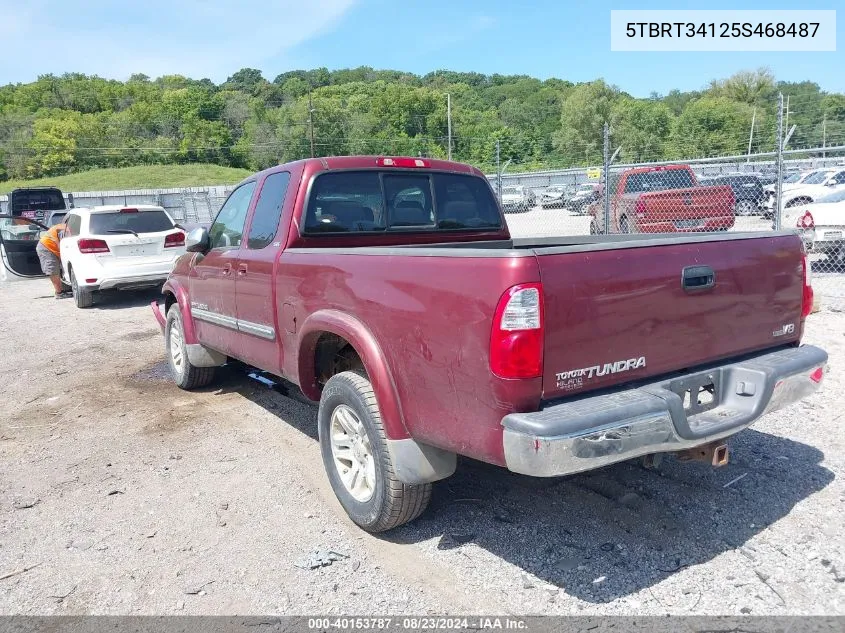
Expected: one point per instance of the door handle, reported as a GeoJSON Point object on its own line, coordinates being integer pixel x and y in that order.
{"type": "Point", "coordinates": [242, 268]}
{"type": "Point", "coordinates": [697, 278]}
{"type": "Point", "coordinates": [227, 269]}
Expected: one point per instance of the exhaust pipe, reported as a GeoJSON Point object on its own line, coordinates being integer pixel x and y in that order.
{"type": "Point", "coordinates": [716, 453]}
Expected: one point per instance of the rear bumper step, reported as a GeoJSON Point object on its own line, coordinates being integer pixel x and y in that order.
{"type": "Point", "coordinates": [676, 414]}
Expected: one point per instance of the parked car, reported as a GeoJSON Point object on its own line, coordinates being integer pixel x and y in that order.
{"type": "Point", "coordinates": [118, 248]}
{"type": "Point", "coordinates": [664, 199]}
{"type": "Point", "coordinates": [18, 240]}
{"type": "Point", "coordinates": [555, 197]}
{"type": "Point", "coordinates": [35, 203]}
{"type": "Point", "coordinates": [516, 199]}
{"type": "Point", "coordinates": [816, 185]}
{"type": "Point", "coordinates": [811, 177]}
{"type": "Point", "coordinates": [749, 195]}
{"type": "Point", "coordinates": [585, 194]}
{"type": "Point", "coordinates": [424, 339]}
{"type": "Point", "coordinates": [29, 209]}
{"type": "Point", "coordinates": [822, 227]}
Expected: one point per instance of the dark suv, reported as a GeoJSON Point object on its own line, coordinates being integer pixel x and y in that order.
{"type": "Point", "coordinates": [749, 195]}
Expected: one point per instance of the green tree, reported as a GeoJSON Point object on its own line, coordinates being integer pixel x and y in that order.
{"type": "Point", "coordinates": [642, 128]}
{"type": "Point", "coordinates": [583, 115]}
{"type": "Point", "coordinates": [713, 126]}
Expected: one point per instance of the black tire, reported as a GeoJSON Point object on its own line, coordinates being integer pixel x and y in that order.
{"type": "Point", "coordinates": [624, 227]}
{"type": "Point", "coordinates": [745, 208]}
{"type": "Point", "coordinates": [185, 374]}
{"type": "Point", "coordinates": [83, 298]}
{"type": "Point", "coordinates": [391, 503]}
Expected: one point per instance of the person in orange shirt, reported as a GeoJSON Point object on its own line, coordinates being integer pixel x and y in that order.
{"type": "Point", "coordinates": [48, 254]}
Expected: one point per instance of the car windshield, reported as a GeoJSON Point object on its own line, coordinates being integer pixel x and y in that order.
{"type": "Point", "coordinates": [817, 178]}
{"type": "Point", "coordinates": [367, 201]}
{"type": "Point", "coordinates": [510, 190]}
{"type": "Point", "coordinates": [153, 221]}
{"type": "Point", "coordinates": [837, 196]}
{"type": "Point", "coordinates": [792, 178]}
{"type": "Point", "coordinates": [585, 188]}
{"type": "Point", "coordinates": [658, 180]}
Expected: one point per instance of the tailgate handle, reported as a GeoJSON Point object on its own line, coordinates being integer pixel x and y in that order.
{"type": "Point", "coordinates": [697, 278]}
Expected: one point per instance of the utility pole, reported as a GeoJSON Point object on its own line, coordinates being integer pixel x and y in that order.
{"type": "Point", "coordinates": [606, 176]}
{"type": "Point", "coordinates": [498, 170]}
{"type": "Point", "coordinates": [786, 119]}
{"type": "Point", "coordinates": [311, 122]}
{"type": "Point", "coordinates": [779, 183]}
{"type": "Point", "coordinates": [824, 136]}
{"type": "Point", "coordinates": [449, 123]}
{"type": "Point", "coordinates": [751, 136]}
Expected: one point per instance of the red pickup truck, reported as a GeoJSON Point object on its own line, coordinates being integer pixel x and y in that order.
{"type": "Point", "coordinates": [389, 290]}
{"type": "Point", "coordinates": [664, 199]}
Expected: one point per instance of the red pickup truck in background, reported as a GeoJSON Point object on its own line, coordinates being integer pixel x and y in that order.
{"type": "Point", "coordinates": [664, 199]}
{"type": "Point", "coordinates": [389, 290]}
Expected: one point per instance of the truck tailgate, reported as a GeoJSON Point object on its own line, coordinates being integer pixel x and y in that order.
{"type": "Point", "coordinates": [686, 205]}
{"type": "Point", "coordinates": [619, 312]}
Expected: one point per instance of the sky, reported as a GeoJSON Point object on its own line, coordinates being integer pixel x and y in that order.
{"type": "Point", "coordinates": [214, 38]}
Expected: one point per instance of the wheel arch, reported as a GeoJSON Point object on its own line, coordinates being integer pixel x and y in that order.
{"type": "Point", "coordinates": [367, 349]}
{"type": "Point", "coordinates": [175, 293]}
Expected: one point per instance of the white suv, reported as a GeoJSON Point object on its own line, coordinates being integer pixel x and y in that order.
{"type": "Point", "coordinates": [114, 247]}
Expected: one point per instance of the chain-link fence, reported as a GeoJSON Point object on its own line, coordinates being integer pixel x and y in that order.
{"type": "Point", "coordinates": [798, 190]}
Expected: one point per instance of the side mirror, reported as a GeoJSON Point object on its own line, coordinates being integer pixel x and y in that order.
{"type": "Point", "coordinates": [70, 200]}
{"type": "Point", "coordinates": [830, 183]}
{"type": "Point", "coordinates": [197, 241]}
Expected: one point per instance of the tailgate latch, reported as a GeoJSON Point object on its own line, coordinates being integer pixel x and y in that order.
{"type": "Point", "coordinates": [697, 278]}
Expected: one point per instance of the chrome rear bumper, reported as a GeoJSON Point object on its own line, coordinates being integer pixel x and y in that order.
{"type": "Point", "coordinates": [593, 431]}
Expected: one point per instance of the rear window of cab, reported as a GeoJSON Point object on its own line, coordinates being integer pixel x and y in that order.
{"type": "Point", "coordinates": [377, 201]}
{"type": "Point", "coordinates": [146, 221]}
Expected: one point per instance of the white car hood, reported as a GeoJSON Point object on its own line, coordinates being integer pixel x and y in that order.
{"type": "Point", "coordinates": [811, 191]}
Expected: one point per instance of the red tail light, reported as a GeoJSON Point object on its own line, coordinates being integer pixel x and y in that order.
{"type": "Point", "coordinates": [127, 210]}
{"type": "Point", "coordinates": [92, 246]}
{"type": "Point", "coordinates": [402, 162]}
{"type": "Point", "coordinates": [174, 239]}
{"type": "Point", "coordinates": [516, 341]}
{"type": "Point", "coordinates": [806, 221]}
{"type": "Point", "coordinates": [807, 296]}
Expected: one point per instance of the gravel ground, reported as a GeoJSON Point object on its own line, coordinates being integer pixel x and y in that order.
{"type": "Point", "coordinates": [121, 494]}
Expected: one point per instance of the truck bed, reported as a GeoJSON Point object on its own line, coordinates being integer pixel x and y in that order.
{"type": "Point", "coordinates": [608, 299]}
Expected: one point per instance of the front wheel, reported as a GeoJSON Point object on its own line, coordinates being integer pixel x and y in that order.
{"type": "Point", "coordinates": [353, 445]}
{"type": "Point", "coordinates": [185, 374]}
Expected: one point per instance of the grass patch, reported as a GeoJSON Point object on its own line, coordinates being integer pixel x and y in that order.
{"type": "Point", "coordinates": [138, 177]}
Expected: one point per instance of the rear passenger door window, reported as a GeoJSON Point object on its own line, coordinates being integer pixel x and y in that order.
{"type": "Point", "coordinates": [268, 210]}
{"type": "Point", "coordinates": [408, 201]}
{"type": "Point", "coordinates": [227, 230]}
{"type": "Point", "coordinates": [74, 225]}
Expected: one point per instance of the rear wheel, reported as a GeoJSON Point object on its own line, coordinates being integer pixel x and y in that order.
{"type": "Point", "coordinates": [353, 445]}
{"type": "Point", "coordinates": [185, 374]}
{"type": "Point", "coordinates": [83, 298]}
